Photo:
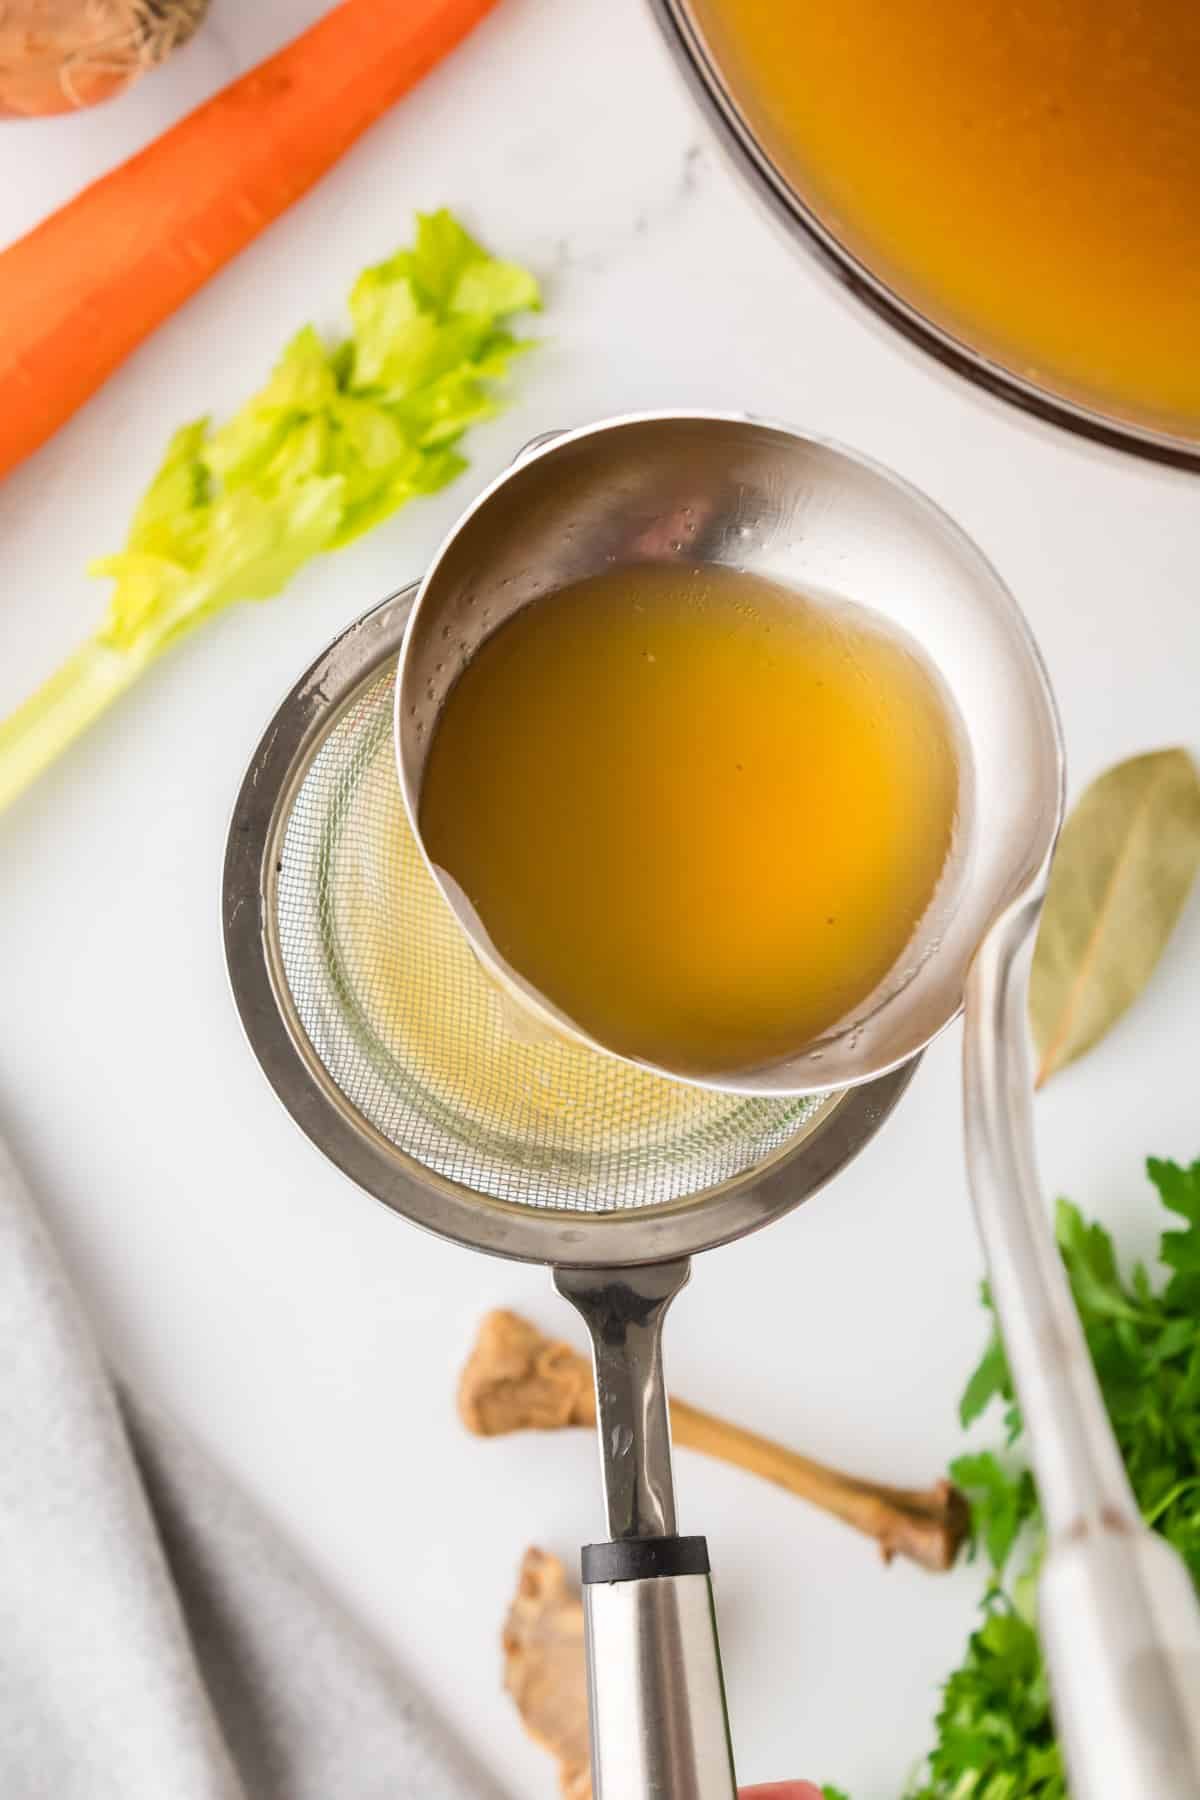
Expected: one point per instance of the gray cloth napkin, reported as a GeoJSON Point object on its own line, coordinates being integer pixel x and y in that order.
{"type": "Point", "coordinates": [157, 1640]}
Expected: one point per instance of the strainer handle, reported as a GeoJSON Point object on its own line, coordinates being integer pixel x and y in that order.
{"type": "Point", "coordinates": [656, 1695]}
{"type": "Point", "coordinates": [1117, 1613]}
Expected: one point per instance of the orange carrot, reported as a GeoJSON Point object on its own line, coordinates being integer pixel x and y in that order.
{"type": "Point", "coordinates": [83, 289]}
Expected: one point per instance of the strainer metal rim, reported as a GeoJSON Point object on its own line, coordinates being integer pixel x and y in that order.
{"type": "Point", "coordinates": [702, 1220]}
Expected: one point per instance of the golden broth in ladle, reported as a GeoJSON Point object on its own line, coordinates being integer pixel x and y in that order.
{"type": "Point", "coordinates": [701, 814]}
{"type": "Point", "coordinates": [1024, 172]}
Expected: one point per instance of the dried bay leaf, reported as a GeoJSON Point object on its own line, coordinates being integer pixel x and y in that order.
{"type": "Point", "coordinates": [1125, 862]}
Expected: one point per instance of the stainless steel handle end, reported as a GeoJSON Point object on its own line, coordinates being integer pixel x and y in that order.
{"type": "Point", "coordinates": [1117, 1613]}
{"type": "Point", "coordinates": [1120, 1629]}
{"type": "Point", "coordinates": [656, 1692]}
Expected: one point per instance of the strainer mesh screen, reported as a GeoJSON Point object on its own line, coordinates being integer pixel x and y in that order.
{"type": "Point", "coordinates": [425, 1048]}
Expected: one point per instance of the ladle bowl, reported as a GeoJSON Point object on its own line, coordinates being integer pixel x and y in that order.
{"type": "Point", "coordinates": [735, 492]}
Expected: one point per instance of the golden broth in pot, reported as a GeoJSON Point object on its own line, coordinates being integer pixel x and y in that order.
{"type": "Point", "coordinates": [1025, 173]}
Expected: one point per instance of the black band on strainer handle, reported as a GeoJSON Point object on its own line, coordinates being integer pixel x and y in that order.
{"type": "Point", "coordinates": [659, 1725]}
{"type": "Point", "coordinates": [644, 1559]}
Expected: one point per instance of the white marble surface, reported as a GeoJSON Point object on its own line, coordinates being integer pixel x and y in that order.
{"type": "Point", "coordinates": [306, 1336]}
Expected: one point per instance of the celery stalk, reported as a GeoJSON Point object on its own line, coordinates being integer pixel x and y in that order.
{"type": "Point", "coordinates": [339, 438]}
{"type": "Point", "coordinates": [63, 707]}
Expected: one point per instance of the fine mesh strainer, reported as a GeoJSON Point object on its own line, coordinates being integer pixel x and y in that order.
{"type": "Point", "coordinates": [389, 995]}
{"type": "Point", "coordinates": [379, 1029]}
{"type": "Point", "coordinates": [393, 1050]}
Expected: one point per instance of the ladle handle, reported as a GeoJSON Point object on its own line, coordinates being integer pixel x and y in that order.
{"type": "Point", "coordinates": [1117, 1613]}
{"type": "Point", "coordinates": [656, 1695]}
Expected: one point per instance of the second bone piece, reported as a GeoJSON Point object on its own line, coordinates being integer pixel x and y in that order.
{"type": "Point", "coordinates": [517, 1379]}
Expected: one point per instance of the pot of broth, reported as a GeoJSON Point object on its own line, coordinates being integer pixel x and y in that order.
{"type": "Point", "coordinates": [1014, 187]}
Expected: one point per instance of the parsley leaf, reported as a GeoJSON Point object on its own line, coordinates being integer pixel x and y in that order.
{"type": "Point", "coordinates": [989, 1380]}
{"type": "Point", "coordinates": [1001, 1503]}
{"type": "Point", "coordinates": [995, 1734]}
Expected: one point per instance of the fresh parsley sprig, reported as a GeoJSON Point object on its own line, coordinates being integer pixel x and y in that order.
{"type": "Point", "coordinates": [995, 1736]}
